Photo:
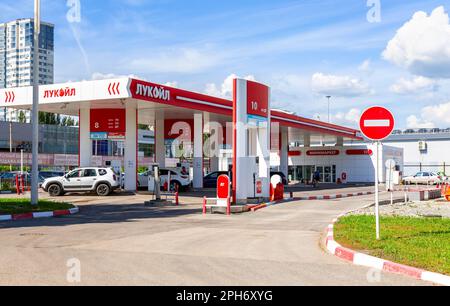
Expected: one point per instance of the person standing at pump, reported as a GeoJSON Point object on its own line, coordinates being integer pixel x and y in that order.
{"type": "Point", "coordinates": [316, 178]}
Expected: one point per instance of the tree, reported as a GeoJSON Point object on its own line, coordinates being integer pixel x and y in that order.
{"type": "Point", "coordinates": [22, 118]}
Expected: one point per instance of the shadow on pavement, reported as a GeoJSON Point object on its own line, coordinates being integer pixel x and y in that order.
{"type": "Point", "coordinates": [106, 213]}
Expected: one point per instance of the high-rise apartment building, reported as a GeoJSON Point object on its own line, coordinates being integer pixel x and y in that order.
{"type": "Point", "coordinates": [16, 58]}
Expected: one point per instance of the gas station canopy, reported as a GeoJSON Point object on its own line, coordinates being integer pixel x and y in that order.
{"type": "Point", "coordinates": [115, 107]}
{"type": "Point", "coordinates": [152, 101]}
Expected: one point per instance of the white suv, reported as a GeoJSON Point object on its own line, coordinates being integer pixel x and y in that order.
{"type": "Point", "coordinates": [99, 180]}
{"type": "Point", "coordinates": [178, 179]}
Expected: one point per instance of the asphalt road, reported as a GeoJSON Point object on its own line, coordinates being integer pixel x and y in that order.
{"type": "Point", "coordinates": [127, 244]}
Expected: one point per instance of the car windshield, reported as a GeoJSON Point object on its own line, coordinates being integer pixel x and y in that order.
{"type": "Point", "coordinates": [76, 173]}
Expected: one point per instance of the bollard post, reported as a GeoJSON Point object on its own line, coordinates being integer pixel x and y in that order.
{"type": "Point", "coordinates": [23, 183]}
{"type": "Point", "coordinates": [17, 185]}
{"type": "Point", "coordinates": [228, 206]}
{"type": "Point", "coordinates": [204, 205]}
{"type": "Point", "coordinates": [177, 196]}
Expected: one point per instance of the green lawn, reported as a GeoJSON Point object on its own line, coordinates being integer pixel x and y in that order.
{"type": "Point", "coordinates": [22, 206]}
{"type": "Point", "coordinates": [418, 242]}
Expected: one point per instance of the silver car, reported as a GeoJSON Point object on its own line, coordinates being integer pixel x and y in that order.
{"type": "Point", "coordinates": [423, 178]}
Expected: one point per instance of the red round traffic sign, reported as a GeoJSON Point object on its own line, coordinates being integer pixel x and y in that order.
{"type": "Point", "coordinates": [377, 123]}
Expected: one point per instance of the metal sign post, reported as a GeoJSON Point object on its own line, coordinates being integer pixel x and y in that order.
{"type": "Point", "coordinates": [35, 108]}
{"type": "Point", "coordinates": [377, 123]}
{"type": "Point", "coordinates": [377, 192]}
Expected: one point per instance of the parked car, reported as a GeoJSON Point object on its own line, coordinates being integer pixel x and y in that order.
{"type": "Point", "coordinates": [210, 180]}
{"type": "Point", "coordinates": [43, 175]}
{"type": "Point", "coordinates": [178, 179]}
{"type": "Point", "coordinates": [423, 178]}
{"type": "Point", "coordinates": [102, 181]}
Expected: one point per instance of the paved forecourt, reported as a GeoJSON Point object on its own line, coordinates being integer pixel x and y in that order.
{"type": "Point", "coordinates": [119, 243]}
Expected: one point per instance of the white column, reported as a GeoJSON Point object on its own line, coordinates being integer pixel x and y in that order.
{"type": "Point", "coordinates": [263, 152]}
{"type": "Point", "coordinates": [284, 154]}
{"type": "Point", "coordinates": [211, 148]}
{"type": "Point", "coordinates": [130, 161]}
{"type": "Point", "coordinates": [307, 141]}
{"type": "Point", "coordinates": [160, 148]}
{"type": "Point", "coordinates": [85, 146]}
{"type": "Point", "coordinates": [198, 151]}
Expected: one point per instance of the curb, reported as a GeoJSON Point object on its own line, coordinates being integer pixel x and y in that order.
{"type": "Point", "coordinates": [334, 196]}
{"type": "Point", "coordinates": [265, 205]}
{"type": "Point", "coordinates": [39, 215]}
{"type": "Point", "coordinates": [365, 260]}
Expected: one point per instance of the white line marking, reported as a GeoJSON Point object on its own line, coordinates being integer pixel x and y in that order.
{"type": "Point", "coordinates": [377, 123]}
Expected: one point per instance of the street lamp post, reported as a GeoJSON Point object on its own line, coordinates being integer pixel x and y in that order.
{"type": "Point", "coordinates": [10, 142]}
{"type": "Point", "coordinates": [329, 113]}
{"type": "Point", "coordinates": [35, 109]}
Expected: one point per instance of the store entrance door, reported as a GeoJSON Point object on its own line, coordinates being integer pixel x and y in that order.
{"type": "Point", "coordinates": [327, 174]}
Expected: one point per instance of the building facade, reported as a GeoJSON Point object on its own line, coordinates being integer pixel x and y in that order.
{"type": "Point", "coordinates": [16, 59]}
{"type": "Point", "coordinates": [425, 150]}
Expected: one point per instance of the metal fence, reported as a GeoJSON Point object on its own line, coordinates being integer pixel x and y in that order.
{"type": "Point", "coordinates": [414, 168]}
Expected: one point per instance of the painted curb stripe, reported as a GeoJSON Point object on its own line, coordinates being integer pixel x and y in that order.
{"type": "Point", "coordinates": [436, 278]}
{"type": "Point", "coordinates": [6, 218]}
{"type": "Point", "coordinates": [402, 269]}
{"type": "Point", "coordinates": [19, 217]}
{"type": "Point", "coordinates": [380, 264]}
{"type": "Point", "coordinates": [43, 215]}
{"type": "Point", "coordinates": [334, 196]}
{"type": "Point", "coordinates": [39, 215]}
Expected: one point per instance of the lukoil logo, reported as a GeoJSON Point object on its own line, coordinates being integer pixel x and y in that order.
{"type": "Point", "coordinates": [60, 93]}
{"type": "Point", "coordinates": [153, 92]}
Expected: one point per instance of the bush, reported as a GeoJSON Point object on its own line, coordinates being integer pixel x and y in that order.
{"type": "Point", "coordinates": [6, 186]}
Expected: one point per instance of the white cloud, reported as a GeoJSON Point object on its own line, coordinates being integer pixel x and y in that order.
{"type": "Point", "coordinates": [339, 86]}
{"type": "Point", "coordinates": [412, 122]}
{"type": "Point", "coordinates": [225, 90]}
{"type": "Point", "coordinates": [431, 116]}
{"type": "Point", "coordinates": [422, 45]}
{"type": "Point", "coordinates": [415, 85]}
{"type": "Point", "coordinates": [365, 66]}
{"type": "Point", "coordinates": [105, 76]}
{"type": "Point", "coordinates": [177, 61]}
{"type": "Point", "coordinates": [172, 84]}
{"type": "Point", "coordinates": [350, 118]}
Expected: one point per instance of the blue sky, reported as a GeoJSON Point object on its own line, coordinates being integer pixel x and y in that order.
{"type": "Point", "coordinates": [303, 49]}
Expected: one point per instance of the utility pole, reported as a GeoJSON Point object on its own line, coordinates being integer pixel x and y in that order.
{"type": "Point", "coordinates": [10, 142]}
{"type": "Point", "coordinates": [35, 109]}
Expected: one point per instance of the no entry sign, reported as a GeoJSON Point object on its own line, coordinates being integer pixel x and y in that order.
{"type": "Point", "coordinates": [377, 123]}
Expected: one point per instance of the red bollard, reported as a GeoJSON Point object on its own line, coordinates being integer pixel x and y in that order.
{"type": "Point", "coordinates": [23, 184]}
{"type": "Point", "coordinates": [17, 185]}
{"type": "Point", "coordinates": [177, 196]}
{"type": "Point", "coordinates": [228, 206]}
{"type": "Point", "coordinates": [204, 205]}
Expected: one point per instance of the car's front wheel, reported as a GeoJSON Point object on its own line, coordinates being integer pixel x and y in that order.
{"type": "Point", "coordinates": [55, 190]}
{"type": "Point", "coordinates": [103, 190]}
